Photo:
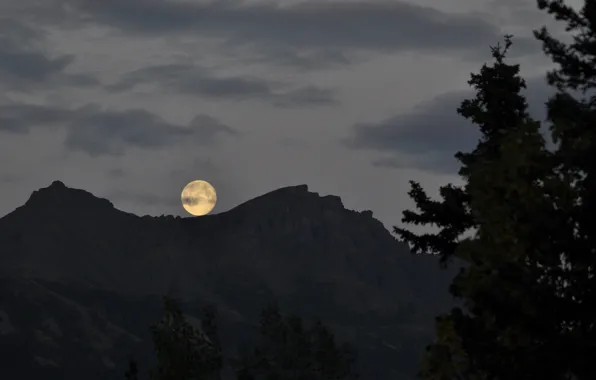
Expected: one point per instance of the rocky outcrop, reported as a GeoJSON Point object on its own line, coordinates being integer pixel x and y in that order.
{"type": "Point", "coordinates": [58, 195]}
{"type": "Point", "coordinates": [293, 245]}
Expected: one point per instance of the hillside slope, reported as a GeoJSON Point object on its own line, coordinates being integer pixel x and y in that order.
{"type": "Point", "coordinates": [71, 262]}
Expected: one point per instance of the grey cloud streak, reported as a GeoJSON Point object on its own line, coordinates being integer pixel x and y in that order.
{"type": "Point", "coordinates": [324, 29]}
{"type": "Point", "coordinates": [372, 24]}
{"type": "Point", "coordinates": [98, 131]}
{"type": "Point", "coordinates": [296, 59]}
{"type": "Point", "coordinates": [195, 80]}
{"type": "Point", "coordinates": [24, 66]}
{"type": "Point", "coordinates": [433, 132]}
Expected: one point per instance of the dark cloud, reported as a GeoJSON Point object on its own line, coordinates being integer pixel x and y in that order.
{"type": "Point", "coordinates": [12, 31]}
{"type": "Point", "coordinates": [25, 66]}
{"type": "Point", "coordinates": [208, 128]}
{"type": "Point", "coordinates": [315, 26]}
{"type": "Point", "coordinates": [306, 60]}
{"type": "Point", "coordinates": [430, 127]}
{"type": "Point", "coordinates": [20, 118]}
{"type": "Point", "coordinates": [99, 131]}
{"type": "Point", "coordinates": [305, 96]}
{"type": "Point", "coordinates": [433, 163]}
{"type": "Point", "coordinates": [195, 80]}
{"type": "Point", "coordinates": [371, 24]}
{"type": "Point", "coordinates": [296, 59]}
{"type": "Point", "coordinates": [433, 132]}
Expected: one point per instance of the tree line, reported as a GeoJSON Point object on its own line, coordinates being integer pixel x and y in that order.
{"type": "Point", "coordinates": [288, 349]}
{"type": "Point", "coordinates": [524, 221]}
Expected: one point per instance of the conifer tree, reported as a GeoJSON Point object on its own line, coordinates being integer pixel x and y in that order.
{"type": "Point", "coordinates": [132, 372]}
{"type": "Point", "coordinates": [183, 351]}
{"type": "Point", "coordinates": [515, 321]}
{"type": "Point", "coordinates": [291, 350]}
{"type": "Point", "coordinates": [572, 117]}
{"type": "Point", "coordinates": [288, 350]}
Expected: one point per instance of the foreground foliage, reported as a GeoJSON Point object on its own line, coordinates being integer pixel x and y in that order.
{"type": "Point", "coordinates": [287, 350]}
{"type": "Point", "coordinates": [183, 351]}
{"type": "Point", "coordinates": [528, 289]}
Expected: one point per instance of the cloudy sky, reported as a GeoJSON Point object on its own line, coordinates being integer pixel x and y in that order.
{"type": "Point", "coordinates": [131, 99]}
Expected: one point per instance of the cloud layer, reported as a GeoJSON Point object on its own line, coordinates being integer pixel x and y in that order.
{"type": "Point", "coordinates": [194, 80]}
{"type": "Point", "coordinates": [307, 34]}
{"type": "Point", "coordinates": [99, 131]}
{"type": "Point", "coordinates": [430, 135]}
{"type": "Point", "coordinates": [250, 95]}
{"type": "Point", "coordinates": [25, 66]}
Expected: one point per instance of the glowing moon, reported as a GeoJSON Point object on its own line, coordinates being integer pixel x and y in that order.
{"type": "Point", "coordinates": [198, 198]}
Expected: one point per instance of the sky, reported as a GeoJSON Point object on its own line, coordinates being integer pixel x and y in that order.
{"type": "Point", "coordinates": [132, 99]}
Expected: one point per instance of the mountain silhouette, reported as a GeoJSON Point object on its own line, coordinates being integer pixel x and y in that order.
{"type": "Point", "coordinates": [81, 281]}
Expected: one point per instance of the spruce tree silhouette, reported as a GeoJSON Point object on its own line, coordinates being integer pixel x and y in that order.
{"type": "Point", "coordinates": [183, 351]}
{"type": "Point", "coordinates": [287, 350]}
{"type": "Point", "coordinates": [525, 315]}
{"type": "Point", "coordinates": [290, 350]}
{"type": "Point", "coordinates": [132, 373]}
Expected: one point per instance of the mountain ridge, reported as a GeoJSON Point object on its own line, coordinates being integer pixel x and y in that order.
{"type": "Point", "coordinates": [306, 251]}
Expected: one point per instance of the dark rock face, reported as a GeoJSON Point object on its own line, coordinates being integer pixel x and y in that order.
{"type": "Point", "coordinates": [66, 246]}
{"type": "Point", "coordinates": [58, 195]}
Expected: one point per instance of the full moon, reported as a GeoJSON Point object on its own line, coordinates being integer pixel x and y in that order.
{"type": "Point", "coordinates": [198, 198]}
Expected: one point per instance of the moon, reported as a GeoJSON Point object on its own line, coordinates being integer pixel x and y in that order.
{"type": "Point", "coordinates": [198, 198]}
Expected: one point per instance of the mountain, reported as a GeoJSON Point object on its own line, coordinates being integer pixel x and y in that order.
{"type": "Point", "coordinates": [81, 281]}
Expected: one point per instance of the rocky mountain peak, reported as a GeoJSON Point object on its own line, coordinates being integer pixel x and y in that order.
{"type": "Point", "coordinates": [57, 194]}
{"type": "Point", "coordinates": [57, 185]}
{"type": "Point", "coordinates": [293, 201]}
